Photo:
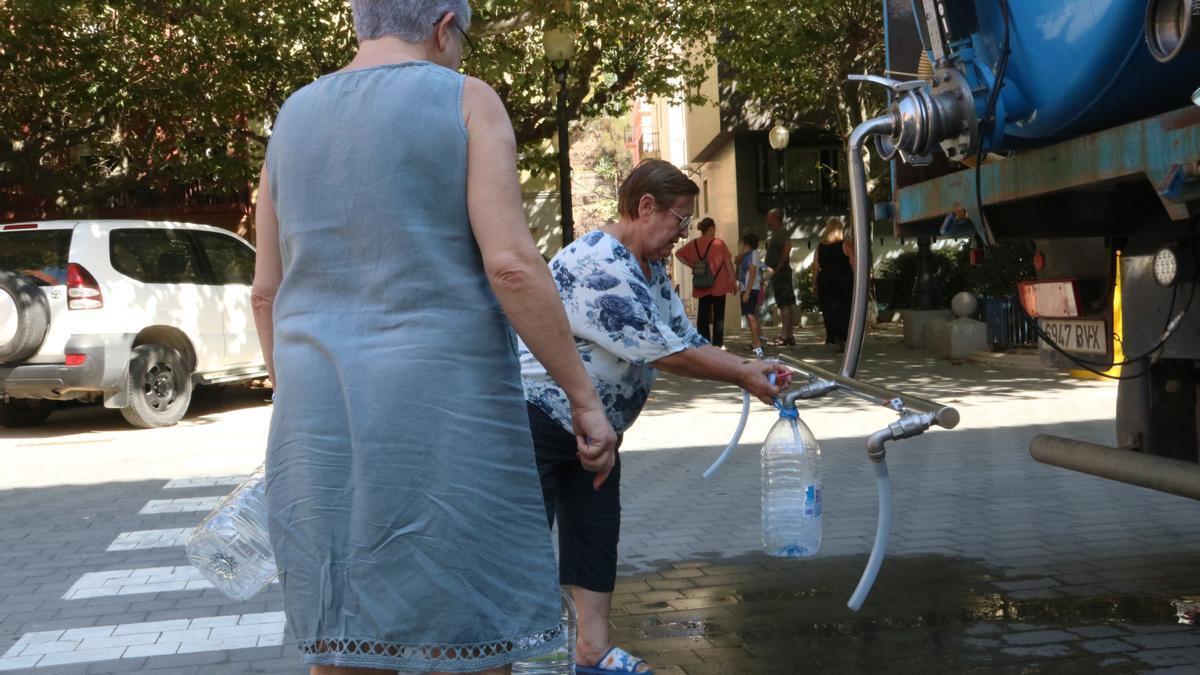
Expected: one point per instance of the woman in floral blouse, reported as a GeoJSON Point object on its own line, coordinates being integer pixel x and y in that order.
{"type": "Point", "coordinates": [628, 324]}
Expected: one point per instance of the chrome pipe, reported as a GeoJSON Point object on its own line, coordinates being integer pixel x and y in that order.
{"type": "Point", "coordinates": [1164, 474]}
{"type": "Point", "coordinates": [860, 211]}
{"type": "Point", "coordinates": [944, 416]}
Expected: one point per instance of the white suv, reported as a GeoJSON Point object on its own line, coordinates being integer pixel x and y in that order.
{"type": "Point", "coordinates": [133, 312]}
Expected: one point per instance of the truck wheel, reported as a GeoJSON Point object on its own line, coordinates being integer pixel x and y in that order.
{"type": "Point", "coordinates": [24, 317]}
{"type": "Point", "coordinates": [25, 412]}
{"type": "Point", "coordinates": [159, 387]}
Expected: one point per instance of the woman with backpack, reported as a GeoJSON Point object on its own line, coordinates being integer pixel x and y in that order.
{"type": "Point", "coordinates": [712, 279]}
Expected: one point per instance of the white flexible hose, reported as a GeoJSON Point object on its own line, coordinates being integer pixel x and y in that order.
{"type": "Point", "coordinates": [881, 537]}
{"type": "Point", "coordinates": [737, 436]}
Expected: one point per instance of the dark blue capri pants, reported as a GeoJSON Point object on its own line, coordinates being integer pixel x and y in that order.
{"type": "Point", "coordinates": [589, 520]}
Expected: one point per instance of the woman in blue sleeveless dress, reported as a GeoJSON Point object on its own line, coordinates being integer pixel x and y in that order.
{"type": "Point", "coordinates": [403, 499]}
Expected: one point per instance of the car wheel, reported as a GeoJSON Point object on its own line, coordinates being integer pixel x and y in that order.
{"type": "Point", "coordinates": [159, 387]}
{"type": "Point", "coordinates": [25, 412]}
{"type": "Point", "coordinates": [25, 318]}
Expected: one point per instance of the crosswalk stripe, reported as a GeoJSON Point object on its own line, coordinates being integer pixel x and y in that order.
{"type": "Point", "coordinates": [135, 640]}
{"type": "Point", "coordinates": [190, 504]}
{"type": "Point", "coordinates": [204, 481]}
{"type": "Point", "coordinates": [133, 582]}
{"type": "Point", "coordinates": [140, 539]}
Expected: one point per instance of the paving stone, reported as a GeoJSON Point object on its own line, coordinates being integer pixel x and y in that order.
{"type": "Point", "coordinates": [1166, 640]}
{"type": "Point", "coordinates": [1168, 657]}
{"type": "Point", "coordinates": [1039, 637]}
{"type": "Point", "coordinates": [1107, 646]}
{"type": "Point", "coordinates": [1097, 631]}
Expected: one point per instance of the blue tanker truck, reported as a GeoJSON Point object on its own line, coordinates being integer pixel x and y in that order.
{"type": "Point", "coordinates": [1074, 123]}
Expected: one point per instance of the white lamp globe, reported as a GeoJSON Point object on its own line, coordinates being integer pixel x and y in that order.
{"type": "Point", "coordinates": [778, 138]}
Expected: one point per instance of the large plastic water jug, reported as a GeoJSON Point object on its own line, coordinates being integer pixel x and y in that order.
{"type": "Point", "coordinates": [231, 547]}
{"type": "Point", "coordinates": [791, 489]}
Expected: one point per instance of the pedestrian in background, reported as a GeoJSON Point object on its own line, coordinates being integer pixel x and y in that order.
{"type": "Point", "coordinates": [779, 256]}
{"type": "Point", "coordinates": [750, 275]}
{"type": "Point", "coordinates": [628, 324]}
{"type": "Point", "coordinates": [402, 491]}
{"type": "Point", "coordinates": [833, 281]}
{"type": "Point", "coordinates": [713, 278]}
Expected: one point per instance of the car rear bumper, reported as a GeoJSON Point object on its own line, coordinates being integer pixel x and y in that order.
{"type": "Point", "coordinates": [102, 370]}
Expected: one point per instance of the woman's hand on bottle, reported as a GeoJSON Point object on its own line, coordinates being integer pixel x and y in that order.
{"type": "Point", "coordinates": [595, 441]}
{"type": "Point", "coordinates": [756, 379]}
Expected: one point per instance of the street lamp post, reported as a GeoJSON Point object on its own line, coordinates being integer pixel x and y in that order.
{"type": "Point", "coordinates": [559, 45]}
{"type": "Point", "coordinates": [779, 138]}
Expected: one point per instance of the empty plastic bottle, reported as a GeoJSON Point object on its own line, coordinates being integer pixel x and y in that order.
{"type": "Point", "coordinates": [231, 547]}
{"type": "Point", "coordinates": [791, 488]}
{"type": "Point", "coordinates": [562, 659]}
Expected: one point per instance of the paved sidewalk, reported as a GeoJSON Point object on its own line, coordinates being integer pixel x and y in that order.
{"type": "Point", "coordinates": [997, 563]}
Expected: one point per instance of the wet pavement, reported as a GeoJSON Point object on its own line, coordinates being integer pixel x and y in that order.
{"type": "Point", "coordinates": [996, 563]}
{"type": "Point", "coordinates": [926, 614]}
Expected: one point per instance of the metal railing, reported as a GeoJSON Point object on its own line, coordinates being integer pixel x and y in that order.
{"type": "Point", "coordinates": [1006, 326]}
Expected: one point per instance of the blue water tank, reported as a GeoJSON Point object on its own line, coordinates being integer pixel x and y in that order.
{"type": "Point", "coordinates": [1075, 66]}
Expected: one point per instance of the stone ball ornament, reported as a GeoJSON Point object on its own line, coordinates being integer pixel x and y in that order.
{"type": "Point", "coordinates": [964, 304]}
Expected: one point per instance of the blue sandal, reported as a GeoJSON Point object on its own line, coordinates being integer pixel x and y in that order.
{"type": "Point", "coordinates": [615, 660]}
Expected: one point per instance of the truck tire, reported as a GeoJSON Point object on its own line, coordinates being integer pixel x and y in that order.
{"type": "Point", "coordinates": [33, 317]}
{"type": "Point", "coordinates": [24, 412]}
{"type": "Point", "coordinates": [159, 387]}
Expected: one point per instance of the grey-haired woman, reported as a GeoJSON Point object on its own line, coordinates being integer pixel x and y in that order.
{"type": "Point", "coordinates": [404, 506]}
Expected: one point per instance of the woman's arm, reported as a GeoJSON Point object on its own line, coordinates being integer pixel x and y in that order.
{"type": "Point", "coordinates": [710, 363]}
{"type": "Point", "coordinates": [268, 272]}
{"type": "Point", "coordinates": [518, 274]}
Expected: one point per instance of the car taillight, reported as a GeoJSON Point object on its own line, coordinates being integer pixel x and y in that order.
{"type": "Point", "coordinates": [21, 226]}
{"type": "Point", "coordinates": [76, 359]}
{"type": "Point", "coordinates": [82, 290]}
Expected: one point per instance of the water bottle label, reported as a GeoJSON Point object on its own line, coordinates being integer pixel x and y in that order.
{"type": "Point", "coordinates": [812, 501]}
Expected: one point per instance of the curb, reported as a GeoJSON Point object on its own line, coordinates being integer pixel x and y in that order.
{"type": "Point", "coordinates": [1010, 360]}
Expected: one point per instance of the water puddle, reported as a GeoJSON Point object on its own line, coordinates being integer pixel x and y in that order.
{"type": "Point", "coordinates": [926, 614]}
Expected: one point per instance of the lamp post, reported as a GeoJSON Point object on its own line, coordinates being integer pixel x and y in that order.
{"type": "Point", "coordinates": [779, 138]}
{"type": "Point", "coordinates": [559, 45]}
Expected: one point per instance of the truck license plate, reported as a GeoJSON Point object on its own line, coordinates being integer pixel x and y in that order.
{"type": "Point", "coordinates": [1074, 335]}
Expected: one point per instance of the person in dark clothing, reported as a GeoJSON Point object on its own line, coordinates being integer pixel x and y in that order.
{"type": "Point", "coordinates": [779, 254]}
{"type": "Point", "coordinates": [833, 282]}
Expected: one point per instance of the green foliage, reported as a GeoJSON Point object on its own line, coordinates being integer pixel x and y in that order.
{"type": "Point", "coordinates": [806, 297]}
{"type": "Point", "coordinates": [601, 160]}
{"type": "Point", "coordinates": [948, 270]}
{"type": "Point", "coordinates": [1004, 264]}
{"type": "Point", "coordinates": [107, 98]}
{"type": "Point", "coordinates": [790, 60]}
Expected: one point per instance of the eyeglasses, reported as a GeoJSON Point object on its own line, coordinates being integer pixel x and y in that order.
{"type": "Point", "coordinates": [468, 45]}
{"type": "Point", "coordinates": [684, 221]}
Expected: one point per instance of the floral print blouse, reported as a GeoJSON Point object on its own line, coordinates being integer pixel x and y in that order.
{"type": "Point", "coordinates": [622, 323]}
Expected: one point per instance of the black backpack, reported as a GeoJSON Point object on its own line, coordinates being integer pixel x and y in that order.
{"type": "Point", "coordinates": [702, 275]}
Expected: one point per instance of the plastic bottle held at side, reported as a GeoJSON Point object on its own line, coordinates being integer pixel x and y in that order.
{"type": "Point", "coordinates": [231, 547]}
{"type": "Point", "coordinates": [791, 490]}
{"type": "Point", "coordinates": [562, 659]}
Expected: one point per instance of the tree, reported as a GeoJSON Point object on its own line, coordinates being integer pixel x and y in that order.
{"type": "Point", "coordinates": [625, 49]}
{"type": "Point", "coordinates": [104, 99]}
{"type": "Point", "coordinates": [790, 60]}
{"type": "Point", "coordinates": [107, 99]}
{"type": "Point", "coordinates": [599, 149]}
